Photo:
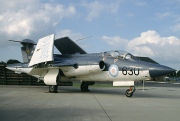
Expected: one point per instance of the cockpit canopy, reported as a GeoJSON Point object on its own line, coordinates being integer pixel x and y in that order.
{"type": "Point", "coordinates": [119, 54]}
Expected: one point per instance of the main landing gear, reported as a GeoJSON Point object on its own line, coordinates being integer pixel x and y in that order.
{"type": "Point", "coordinates": [85, 85]}
{"type": "Point", "coordinates": [129, 92]}
{"type": "Point", "coordinates": [53, 89]}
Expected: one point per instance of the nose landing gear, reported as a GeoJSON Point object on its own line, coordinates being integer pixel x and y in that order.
{"type": "Point", "coordinates": [129, 92]}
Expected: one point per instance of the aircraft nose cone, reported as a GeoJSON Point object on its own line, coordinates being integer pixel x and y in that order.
{"type": "Point", "coordinates": [156, 70]}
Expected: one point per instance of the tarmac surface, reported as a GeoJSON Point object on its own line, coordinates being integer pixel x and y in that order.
{"type": "Point", "coordinates": [158, 102]}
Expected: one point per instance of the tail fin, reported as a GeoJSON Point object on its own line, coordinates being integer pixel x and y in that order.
{"type": "Point", "coordinates": [27, 49]}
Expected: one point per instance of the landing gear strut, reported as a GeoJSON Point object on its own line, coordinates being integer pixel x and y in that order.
{"type": "Point", "coordinates": [53, 89]}
{"type": "Point", "coordinates": [129, 92]}
{"type": "Point", "coordinates": [85, 85]}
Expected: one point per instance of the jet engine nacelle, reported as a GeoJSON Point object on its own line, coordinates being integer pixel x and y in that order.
{"type": "Point", "coordinates": [88, 69]}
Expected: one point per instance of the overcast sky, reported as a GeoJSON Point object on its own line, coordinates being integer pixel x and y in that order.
{"type": "Point", "coordinates": [142, 27]}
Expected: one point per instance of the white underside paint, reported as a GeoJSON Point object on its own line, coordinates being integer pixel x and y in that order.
{"type": "Point", "coordinates": [81, 70]}
{"type": "Point", "coordinates": [50, 77]}
{"type": "Point", "coordinates": [20, 70]}
{"type": "Point", "coordinates": [123, 83]}
{"type": "Point", "coordinates": [104, 76]}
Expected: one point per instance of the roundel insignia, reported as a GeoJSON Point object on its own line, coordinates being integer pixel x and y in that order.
{"type": "Point", "coordinates": [113, 70]}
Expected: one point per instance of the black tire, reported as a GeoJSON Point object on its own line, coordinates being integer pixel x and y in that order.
{"type": "Point", "coordinates": [84, 87]}
{"type": "Point", "coordinates": [128, 94]}
{"type": "Point", "coordinates": [53, 89]}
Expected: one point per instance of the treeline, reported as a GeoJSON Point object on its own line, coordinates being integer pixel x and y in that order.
{"type": "Point", "coordinates": [174, 74]}
{"type": "Point", "coordinates": [11, 61]}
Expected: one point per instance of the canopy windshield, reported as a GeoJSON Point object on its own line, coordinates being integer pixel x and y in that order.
{"type": "Point", "coordinates": [119, 54]}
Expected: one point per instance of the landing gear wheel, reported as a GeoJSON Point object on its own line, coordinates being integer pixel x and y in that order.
{"type": "Point", "coordinates": [129, 93]}
{"type": "Point", "coordinates": [53, 89]}
{"type": "Point", "coordinates": [84, 87]}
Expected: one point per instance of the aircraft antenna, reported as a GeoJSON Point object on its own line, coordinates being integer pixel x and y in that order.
{"type": "Point", "coordinates": [83, 38]}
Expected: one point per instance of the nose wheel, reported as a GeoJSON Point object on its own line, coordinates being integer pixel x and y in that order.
{"type": "Point", "coordinates": [129, 92]}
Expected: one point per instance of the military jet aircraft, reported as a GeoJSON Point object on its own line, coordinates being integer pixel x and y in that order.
{"type": "Point", "coordinates": [74, 64]}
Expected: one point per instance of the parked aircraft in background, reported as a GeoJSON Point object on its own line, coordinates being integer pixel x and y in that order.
{"type": "Point", "coordinates": [74, 64]}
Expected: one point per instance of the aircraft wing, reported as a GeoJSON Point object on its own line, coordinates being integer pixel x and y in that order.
{"type": "Point", "coordinates": [66, 46]}
{"type": "Point", "coordinates": [43, 51]}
